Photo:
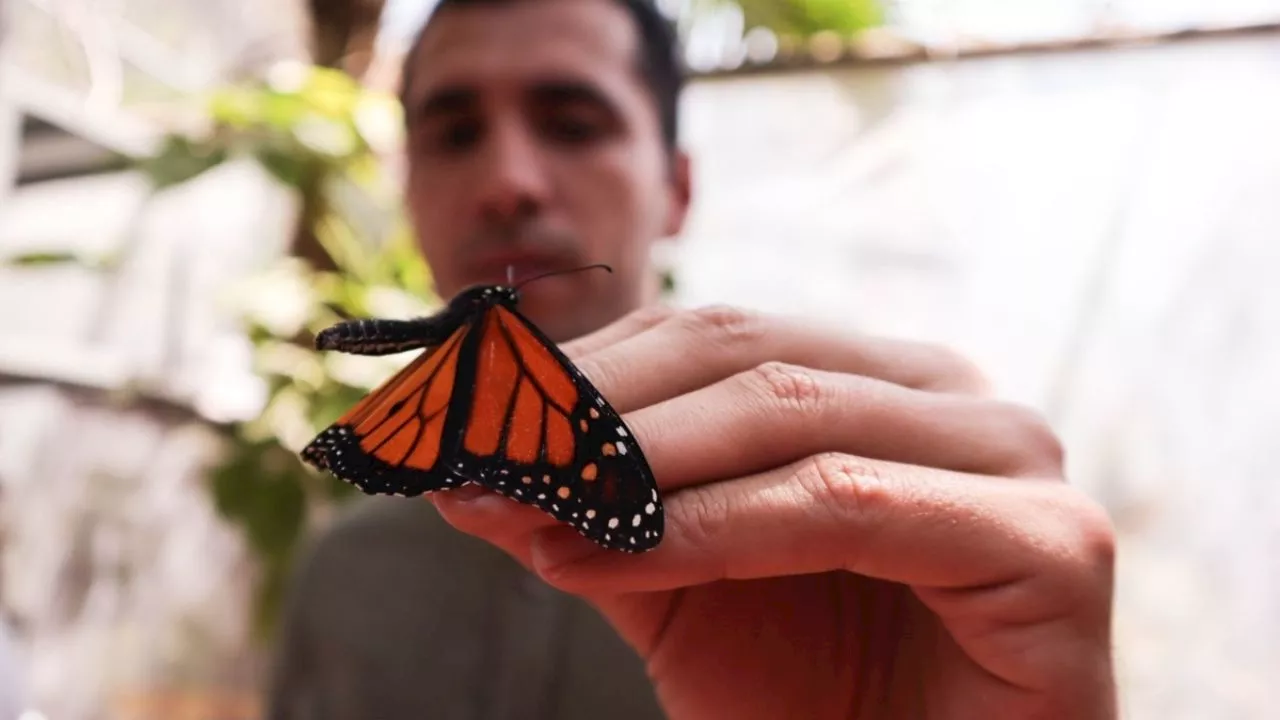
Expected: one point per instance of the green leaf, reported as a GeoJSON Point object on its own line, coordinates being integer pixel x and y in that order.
{"type": "Point", "coordinates": [274, 518]}
{"type": "Point", "coordinates": [292, 169]}
{"type": "Point", "coordinates": [181, 159]}
{"type": "Point", "coordinates": [807, 17]}
{"type": "Point", "coordinates": [38, 258]}
{"type": "Point", "coordinates": [235, 107]}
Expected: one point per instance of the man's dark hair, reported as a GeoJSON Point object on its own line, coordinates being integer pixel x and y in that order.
{"type": "Point", "coordinates": [659, 61]}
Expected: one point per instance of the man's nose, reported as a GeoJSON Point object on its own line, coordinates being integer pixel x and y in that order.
{"type": "Point", "coordinates": [514, 185]}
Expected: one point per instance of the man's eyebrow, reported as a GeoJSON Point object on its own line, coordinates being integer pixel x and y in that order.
{"type": "Point", "coordinates": [562, 91]}
{"type": "Point", "coordinates": [445, 101]}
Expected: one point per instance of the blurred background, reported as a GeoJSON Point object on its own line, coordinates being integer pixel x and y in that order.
{"type": "Point", "coordinates": [1083, 195]}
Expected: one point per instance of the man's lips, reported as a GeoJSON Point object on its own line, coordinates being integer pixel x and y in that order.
{"type": "Point", "coordinates": [494, 267]}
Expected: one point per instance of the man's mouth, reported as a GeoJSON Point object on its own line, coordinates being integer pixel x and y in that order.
{"type": "Point", "coordinates": [513, 267]}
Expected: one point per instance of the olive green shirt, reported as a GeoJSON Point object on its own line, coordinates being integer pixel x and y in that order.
{"type": "Point", "coordinates": [394, 615]}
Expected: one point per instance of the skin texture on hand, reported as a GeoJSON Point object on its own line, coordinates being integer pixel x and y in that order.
{"type": "Point", "coordinates": [854, 530]}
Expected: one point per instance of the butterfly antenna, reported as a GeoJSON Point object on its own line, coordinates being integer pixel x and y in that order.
{"type": "Point", "coordinates": [564, 272]}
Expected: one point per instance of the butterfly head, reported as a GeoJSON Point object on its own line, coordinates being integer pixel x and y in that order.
{"type": "Point", "coordinates": [480, 295]}
{"type": "Point", "coordinates": [509, 294]}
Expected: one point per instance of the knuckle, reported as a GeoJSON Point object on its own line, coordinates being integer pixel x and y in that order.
{"type": "Point", "coordinates": [700, 515]}
{"type": "Point", "coordinates": [958, 373]}
{"type": "Point", "coordinates": [726, 324]}
{"type": "Point", "coordinates": [651, 315]}
{"type": "Point", "coordinates": [1037, 439]}
{"type": "Point", "coordinates": [1095, 535]}
{"type": "Point", "coordinates": [791, 386]}
{"type": "Point", "coordinates": [1076, 528]}
{"type": "Point", "coordinates": [1084, 554]}
{"type": "Point", "coordinates": [849, 488]}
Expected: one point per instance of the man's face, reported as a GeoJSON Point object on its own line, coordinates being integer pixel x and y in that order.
{"type": "Point", "coordinates": [534, 142]}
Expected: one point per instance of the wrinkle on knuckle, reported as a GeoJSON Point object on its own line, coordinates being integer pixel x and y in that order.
{"type": "Point", "coordinates": [851, 490]}
{"type": "Point", "coordinates": [725, 324]}
{"type": "Point", "coordinates": [700, 515]}
{"type": "Point", "coordinates": [790, 387]}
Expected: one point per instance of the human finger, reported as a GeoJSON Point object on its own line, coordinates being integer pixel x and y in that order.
{"type": "Point", "coordinates": [498, 520]}
{"type": "Point", "coordinates": [776, 414]}
{"type": "Point", "coordinates": [692, 349]}
{"type": "Point", "coordinates": [942, 532]}
{"type": "Point", "coordinates": [627, 326]}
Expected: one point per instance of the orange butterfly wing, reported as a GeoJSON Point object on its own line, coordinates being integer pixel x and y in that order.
{"type": "Point", "coordinates": [391, 441]}
{"type": "Point", "coordinates": [538, 432]}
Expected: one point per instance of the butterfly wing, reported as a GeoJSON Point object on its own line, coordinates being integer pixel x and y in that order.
{"type": "Point", "coordinates": [391, 441]}
{"type": "Point", "coordinates": [537, 431]}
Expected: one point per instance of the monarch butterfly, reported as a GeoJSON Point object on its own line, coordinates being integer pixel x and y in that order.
{"type": "Point", "coordinates": [491, 400]}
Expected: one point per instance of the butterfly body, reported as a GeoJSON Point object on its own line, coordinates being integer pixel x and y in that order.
{"type": "Point", "coordinates": [491, 401]}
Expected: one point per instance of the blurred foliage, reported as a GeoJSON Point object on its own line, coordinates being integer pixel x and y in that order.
{"type": "Point", "coordinates": [55, 258]}
{"type": "Point", "coordinates": [319, 132]}
{"type": "Point", "coordinates": [807, 17]}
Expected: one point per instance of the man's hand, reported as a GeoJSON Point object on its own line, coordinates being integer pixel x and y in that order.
{"type": "Point", "coordinates": [853, 531]}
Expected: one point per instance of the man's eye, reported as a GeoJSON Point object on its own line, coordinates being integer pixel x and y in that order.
{"type": "Point", "coordinates": [452, 137]}
{"type": "Point", "coordinates": [571, 129]}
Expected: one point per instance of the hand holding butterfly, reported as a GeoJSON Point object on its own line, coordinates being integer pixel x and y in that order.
{"type": "Point", "coordinates": [854, 530]}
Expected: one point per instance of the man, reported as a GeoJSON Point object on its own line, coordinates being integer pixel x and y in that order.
{"type": "Point", "coordinates": [13, 674]}
{"type": "Point", "coordinates": [854, 529]}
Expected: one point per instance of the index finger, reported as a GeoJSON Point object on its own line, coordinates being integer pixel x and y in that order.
{"type": "Point", "coordinates": [693, 349]}
{"type": "Point", "coordinates": [629, 325]}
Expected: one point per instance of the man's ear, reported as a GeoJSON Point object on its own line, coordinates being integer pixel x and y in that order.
{"type": "Point", "coordinates": [681, 192]}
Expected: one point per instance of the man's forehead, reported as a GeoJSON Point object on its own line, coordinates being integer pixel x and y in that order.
{"type": "Point", "coordinates": [515, 41]}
